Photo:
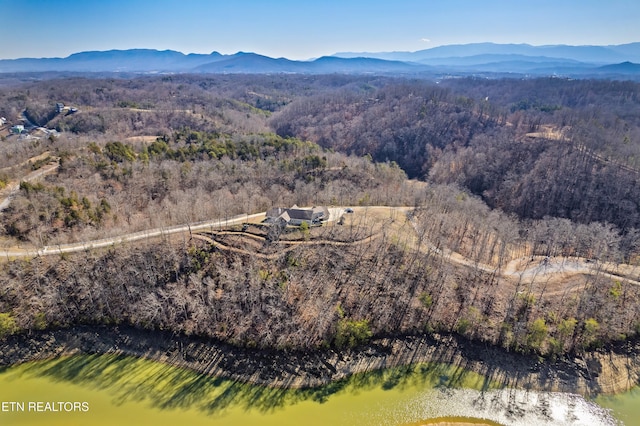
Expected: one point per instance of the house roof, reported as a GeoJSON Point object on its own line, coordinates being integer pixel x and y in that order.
{"type": "Point", "coordinates": [300, 214]}
{"type": "Point", "coordinates": [297, 213]}
{"type": "Point", "coordinates": [285, 216]}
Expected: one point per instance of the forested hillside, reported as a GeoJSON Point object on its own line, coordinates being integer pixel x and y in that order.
{"type": "Point", "coordinates": [520, 228]}
{"type": "Point", "coordinates": [536, 148]}
{"type": "Point", "coordinates": [187, 178]}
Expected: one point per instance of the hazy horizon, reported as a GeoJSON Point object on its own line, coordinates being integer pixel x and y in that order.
{"type": "Point", "coordinates": [295, 30]}
{"type": "Point", "coordinates": [302, 59]}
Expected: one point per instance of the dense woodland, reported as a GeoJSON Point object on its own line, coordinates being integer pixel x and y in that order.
{"type": "Point", "coordinates": [323, 293]}
{"type": "Point", "coordinates": [551, 147]}
{"type": "Point", "coordinates": [189, 178]}
{"type": "Point", "coordinates": [505, 169]}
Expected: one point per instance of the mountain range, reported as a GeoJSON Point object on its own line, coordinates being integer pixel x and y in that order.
{"type": "Point", "coordinates": [476, 58]}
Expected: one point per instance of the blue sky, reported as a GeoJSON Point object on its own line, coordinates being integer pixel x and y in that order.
{"type": "Point", "coordinates": [305, 28]}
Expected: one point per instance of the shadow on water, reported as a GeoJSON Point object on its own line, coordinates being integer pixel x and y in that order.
{"type": "Point", "coordinates": [163, 386]}
{"type": "Point", "coordinates": [447, 388]}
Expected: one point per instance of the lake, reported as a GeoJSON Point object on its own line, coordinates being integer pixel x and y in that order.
{"type": "Point", "coordinates": [116, 389]}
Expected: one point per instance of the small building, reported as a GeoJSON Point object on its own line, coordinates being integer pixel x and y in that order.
{"type": "Point", "coordinates": [17, 129]}
{"type": "Point", "coordinates": [3, 121]}
{"type": "Point", "coordinates": [59, 107]}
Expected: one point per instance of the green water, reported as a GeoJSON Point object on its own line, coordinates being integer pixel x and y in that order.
{"type": "Point", "coordinates": [625, 407]}
{"type": "Point", "coordinates": [128, 391]}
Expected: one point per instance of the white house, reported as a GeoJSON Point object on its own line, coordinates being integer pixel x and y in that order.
{"type": "Point", "coordinates": [17, 129]}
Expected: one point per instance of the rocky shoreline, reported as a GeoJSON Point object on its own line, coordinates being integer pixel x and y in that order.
{"type": "Point", "coordinates": [610, 371]}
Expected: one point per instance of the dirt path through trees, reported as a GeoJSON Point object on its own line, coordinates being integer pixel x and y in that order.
{"type": "Point", "coordinates": [12, 187]}
{"type": "Point", "coordinates": [530, 267]}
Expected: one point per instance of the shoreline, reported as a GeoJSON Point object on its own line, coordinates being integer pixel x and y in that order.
{"type": "Point", "coordinates": [611, 371]}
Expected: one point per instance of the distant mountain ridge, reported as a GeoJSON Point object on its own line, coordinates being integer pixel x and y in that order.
{"type": "Point", "coordinates": [169, 61]}
{"type": "Point", "coordinates": [131, 60]}
{"type": "Point", "coordinates": [602, 55]}
{"type": "Point", "coordinates": [574, 61]}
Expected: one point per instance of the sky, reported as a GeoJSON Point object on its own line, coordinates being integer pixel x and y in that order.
{"type": "Point", "coordinates": [305, 29]}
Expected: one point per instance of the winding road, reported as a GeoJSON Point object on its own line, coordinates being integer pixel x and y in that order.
{"type": "Point", "coordinates": [134, 236]}
{"type": "Point", "coordinates": [9, 192]}
{"type": "Point", "coordinates": [518, 268]}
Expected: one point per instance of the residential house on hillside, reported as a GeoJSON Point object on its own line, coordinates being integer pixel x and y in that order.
{"type": "Point", "coordinates": [17, 129]}
{"type": "Point", "coordinates": [297, 216]}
